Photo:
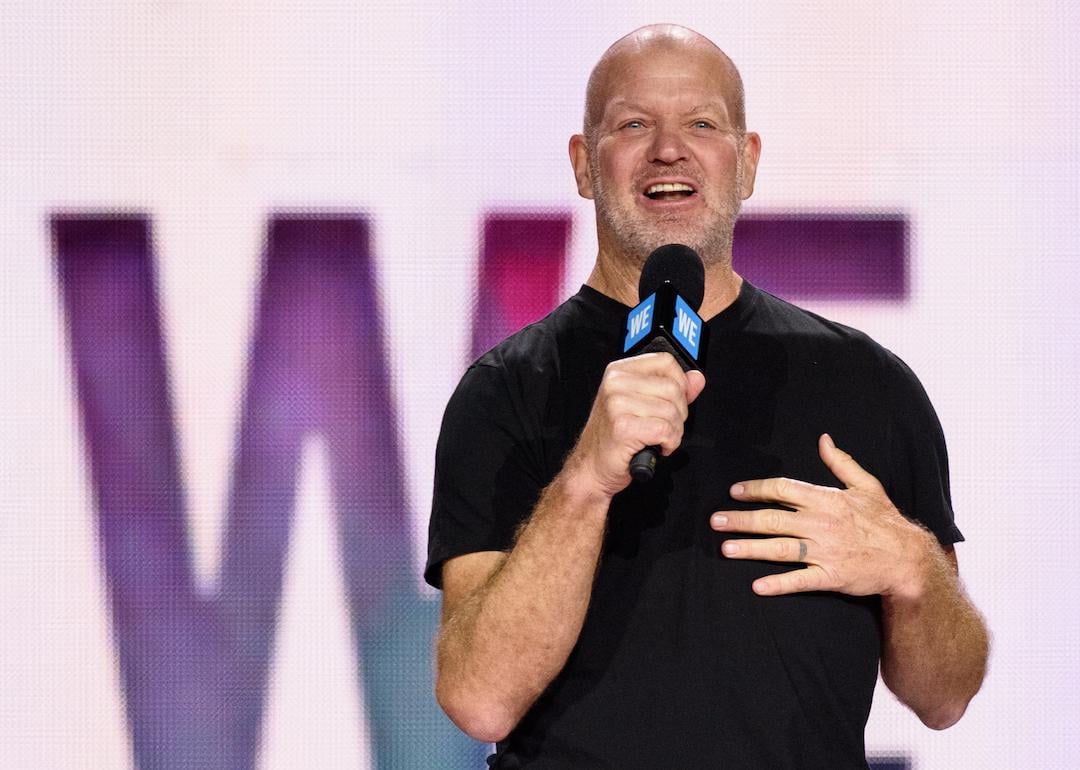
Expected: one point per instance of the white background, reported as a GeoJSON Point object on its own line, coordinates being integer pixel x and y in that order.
{"type": "Point", "coordinates": [209, 115]}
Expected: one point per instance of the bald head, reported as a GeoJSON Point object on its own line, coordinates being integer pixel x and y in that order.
{"type": "Point", "coordinates": [652, 40]}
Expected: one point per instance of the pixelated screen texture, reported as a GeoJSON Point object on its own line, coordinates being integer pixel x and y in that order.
{"type": "Point", "coordinates": [249, 249]}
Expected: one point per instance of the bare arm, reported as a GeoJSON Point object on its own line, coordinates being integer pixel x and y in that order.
{"type": "Point", "coordinates": [510, 621]}
{"type": "Point", "coordinates": [854, 541]}
{"type": "Point", "coordinates": [936, 643]}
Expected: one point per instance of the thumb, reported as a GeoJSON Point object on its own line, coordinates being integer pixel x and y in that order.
{"type": "Point", "coordinates": [695, 383]}
{"type": "Point", "coordinates": [843, 465]}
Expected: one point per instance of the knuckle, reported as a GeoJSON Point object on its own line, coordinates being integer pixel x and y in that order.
{"type": "Point", "coordinates": [612, 372]}
{"type": "Point", "coordinates": [831, 578]}
{"type": "Point", "coordinates": [774, 521]}
{"type": "Point", "coordinates": [833, 494]}
{"type": "Point", "coordinates": [671, 366]}
{"type": "Point", "coordinates": [615, 408]}
{"type": "Point", "coordinates": [622, 423]}
{"type": "Point", "coordinates": [609, 387]}
{"type": "Point", "coordinates": [672, 437]}
{"type": "Point", "coordinates": [678, 400]}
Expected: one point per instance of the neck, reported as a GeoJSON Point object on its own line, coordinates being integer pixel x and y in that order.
{"type": "Point", "coordinates": [618, 279]}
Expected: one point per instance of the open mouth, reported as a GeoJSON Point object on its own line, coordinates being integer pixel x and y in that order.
{"type": "Point", "coordinates": [669, 191]}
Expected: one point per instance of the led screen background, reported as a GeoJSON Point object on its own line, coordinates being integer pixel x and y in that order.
{"type": "Point", "coordinates": [421, 124]}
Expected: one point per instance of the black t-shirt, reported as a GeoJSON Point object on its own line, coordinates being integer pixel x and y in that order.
{"type": "Point", "coordinates": [679, 663]}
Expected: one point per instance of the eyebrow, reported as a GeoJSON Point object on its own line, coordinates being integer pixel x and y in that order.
{"type": "Point", "coordinates": [622, 104]}
{"type": "Point", "coordinates": [629, 106]}
{"type": "Point", "coordinates": [717, 106]}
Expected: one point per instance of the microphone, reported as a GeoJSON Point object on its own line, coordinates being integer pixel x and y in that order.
{"type": "Point", "coordinates": [670, 291]}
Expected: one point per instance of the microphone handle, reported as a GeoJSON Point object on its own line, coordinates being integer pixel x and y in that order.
{"type": "Point", "coordinates": [643, 464]}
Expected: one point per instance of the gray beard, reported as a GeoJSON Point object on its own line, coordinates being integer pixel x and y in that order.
{"type": "Point", "coordinates": [636, 240]}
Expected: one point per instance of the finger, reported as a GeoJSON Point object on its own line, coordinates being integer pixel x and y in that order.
{"type": "Point", "coordinates": [778, 490]}
{"type": "Point", "coordinates": [671, 438]}
{"type": "Point", "coordinates": [770, 549]}
{"type": "Point", "coordinates": [695, 383]}
{"type": "Point", "coordinates": [764, 521]}
{"type": "Point", "coordinates": [654, 363]}
{"type": "Point", "coordinates": [629, 382]}
{"type": "Point", "coordinates": [646, 405]}
{"type": "Point", "coordinates": [662, 383]}
{"type": "Point", "coordinates": [843, 465]}
{"type": "Point", "coordinates": [812, 578]}
{"type": "Point", "coordinates": [635, 432]}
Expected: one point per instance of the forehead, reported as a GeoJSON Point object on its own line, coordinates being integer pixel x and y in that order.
{"type": "Point", "coordinates": [680, 78]}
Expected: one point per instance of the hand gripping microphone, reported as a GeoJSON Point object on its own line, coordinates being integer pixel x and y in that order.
{"type": "Point", "coordinates": [670, 290]}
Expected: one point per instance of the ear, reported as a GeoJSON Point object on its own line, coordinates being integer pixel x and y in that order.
{"type": "Point", "coordinates": [579, 161]}
{"type": "Point", "coordinates": [751, 153]}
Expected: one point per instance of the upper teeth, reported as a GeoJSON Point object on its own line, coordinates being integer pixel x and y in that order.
{"type": "Point", "coordinates": [669, 187]}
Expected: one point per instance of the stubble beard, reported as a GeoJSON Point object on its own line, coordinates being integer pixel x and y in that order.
{"type": "Point", "coordinates": [636, 237]}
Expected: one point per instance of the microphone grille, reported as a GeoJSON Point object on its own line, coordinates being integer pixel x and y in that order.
{"type": "Point", "coordinates": [678, 265]}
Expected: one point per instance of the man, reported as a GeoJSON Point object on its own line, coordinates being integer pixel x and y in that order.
{"type": "Point", "coordinates": [724, 614]}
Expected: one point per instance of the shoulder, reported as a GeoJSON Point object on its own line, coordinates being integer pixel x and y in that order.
{"type": "Point", "coordinates": [569, 324]}
{"type": "Point", "coordinates": [530, 349]}
{"type": "Point", "coordinates": [520, 362]}
{"type": "Point", "coordinates": [512, 379]}
{"type": "Point", "coordinates": [814, 339]}
{"type": "Point", "coordinates": [818, 333]}
{"type": "Point", "coordinates": [583, 326]}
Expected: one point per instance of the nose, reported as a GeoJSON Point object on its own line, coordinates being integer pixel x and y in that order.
{"type": "Point", "coordinates": [667, 145]}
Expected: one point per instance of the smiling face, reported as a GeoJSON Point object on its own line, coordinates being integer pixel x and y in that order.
{"type": "Point", "coordinates": [665, 156]}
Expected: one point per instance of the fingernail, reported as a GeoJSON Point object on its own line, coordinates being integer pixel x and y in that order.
{"type": "Point", "coordinates": [730, 547]}
{"type": "Point", "coordinates": [719, 520]}
{"type": "Point", "coordinates": [829, 441]}
{"type": "Point", "coordinates": [736, 490]}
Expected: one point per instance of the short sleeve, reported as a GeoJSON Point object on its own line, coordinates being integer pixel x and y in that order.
{"type": "Point", "coordinates": [918, 481]}
{"type": "Point", "coordinates": [487, 479]}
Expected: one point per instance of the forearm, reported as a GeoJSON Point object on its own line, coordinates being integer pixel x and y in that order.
{"type": "Point", "coordinates": [504, 644]}
{"type": "Point", "coordinates": [935, 643]}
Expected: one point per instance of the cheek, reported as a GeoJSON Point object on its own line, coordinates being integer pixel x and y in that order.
{"type": "Point", "coordinates": [616, 164]}
{"type": "Point", "coordinates": [717, 157]}
{"type": "Point", "coordinates": [724, 175]}
{"type": "Point", "coordinates": [612, 170]}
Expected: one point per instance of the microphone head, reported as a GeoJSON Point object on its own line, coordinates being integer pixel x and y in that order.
{"type": "Point", "coordinates": [678, 265]}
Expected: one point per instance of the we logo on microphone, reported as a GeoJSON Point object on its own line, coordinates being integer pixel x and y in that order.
{"type": "Point", "coordinates": [687, 327]}
{"type": "Point", "coordinates": [639, 322]}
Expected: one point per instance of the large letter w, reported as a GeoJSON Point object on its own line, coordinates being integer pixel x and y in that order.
{"type": "Point", "coordinates": [195, 667]}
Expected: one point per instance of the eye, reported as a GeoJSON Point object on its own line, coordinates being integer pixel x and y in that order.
{"type": "Point", "coordinates": [635, 124]}
{"type": "Point", "coordinates": [703, 124]}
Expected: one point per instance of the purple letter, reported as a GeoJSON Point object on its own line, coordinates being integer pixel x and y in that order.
{"type": "Point", "coordinates": [521, 270]}
{"type": "Point", "coordinates": [195, 667]}
{"type": "Point", "coordinates": [824, 256]}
